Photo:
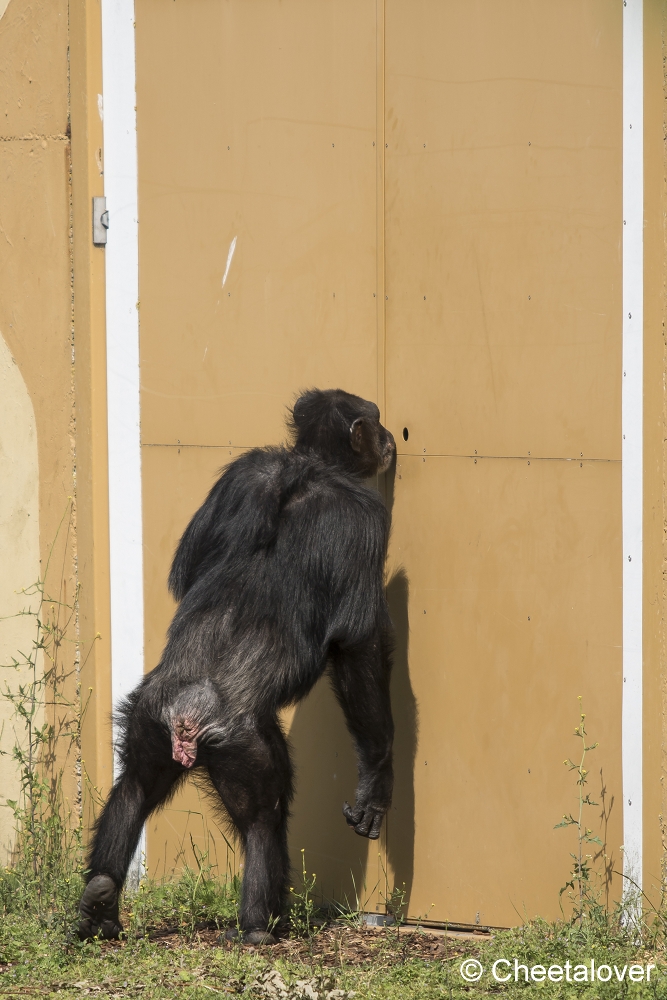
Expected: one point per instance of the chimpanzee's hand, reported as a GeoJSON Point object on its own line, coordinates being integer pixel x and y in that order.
{"type": "Point", "coordinates": [372, 799]}
{"type": "Point", "coordinates": [364, 818]}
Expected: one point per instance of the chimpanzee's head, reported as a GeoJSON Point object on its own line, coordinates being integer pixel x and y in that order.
{"type": "Point", "coordinates": [344, 429]}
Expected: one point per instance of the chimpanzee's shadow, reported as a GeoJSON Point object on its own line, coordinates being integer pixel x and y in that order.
{"type": "Point", "coordinates": [401, 817]}
{"type": "Point", "coordinates": [326, 775]}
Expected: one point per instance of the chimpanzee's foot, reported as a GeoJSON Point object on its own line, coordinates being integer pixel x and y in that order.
{"type": "Point", "coordinates": [250, 937]}
{"type": "Point", "coordinates": [259, 937]}
{"type": "Point", "coordinates": [98, 909]}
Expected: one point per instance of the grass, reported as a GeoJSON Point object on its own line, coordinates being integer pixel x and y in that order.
{"type": "Point", "coordinates": [173, 949]}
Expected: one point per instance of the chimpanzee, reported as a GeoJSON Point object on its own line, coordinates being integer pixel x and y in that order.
{"type": "Point", "coordinates": [279, 574]}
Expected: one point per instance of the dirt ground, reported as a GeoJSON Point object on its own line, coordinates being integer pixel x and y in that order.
{"type": "Point", "coordinates": [336, 944]}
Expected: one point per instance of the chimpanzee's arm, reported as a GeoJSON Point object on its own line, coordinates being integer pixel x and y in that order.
{"type": "Point", "coordinates": [360, 679]}
{"type": "Point", "coordinates": [219, 521]}
{"type": "Point", "coordinates": [190, 551]}
{"type": "Point", "coordinates": [239, 516]}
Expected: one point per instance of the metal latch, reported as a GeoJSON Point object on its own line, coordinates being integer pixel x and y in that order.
{"type": "Point", "coordinates": [100, 221]}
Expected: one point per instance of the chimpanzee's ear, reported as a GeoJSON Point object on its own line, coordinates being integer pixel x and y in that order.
{"type": "Point", "coordinates": [357, 434]}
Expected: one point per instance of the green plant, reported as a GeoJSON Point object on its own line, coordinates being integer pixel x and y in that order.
{"type": "Point", "coordinates": [580, 883]}
{"type": "Point", "coordinates": [45, 869]}
{"type": "Point", "coordinates": [352, 913]}
{"type": "Point", "coordinates": [302, 904]}
{"type": "Point", "coordinates": [195, 899]}
{"type": "Point", "coordinates": [396, 904]}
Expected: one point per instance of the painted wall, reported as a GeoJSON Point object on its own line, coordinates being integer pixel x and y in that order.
{"type": "Point", "coordinates": [19, 545]}
{"type": "Point", "coordinates": [37, 412]}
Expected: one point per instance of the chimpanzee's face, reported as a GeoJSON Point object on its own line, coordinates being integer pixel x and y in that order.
{"type": "Point", "coordinates": [344, 429]}
{"type": "Point", "coordinates": [387, 448]}
{"type": "Point", "coordinates": [373, 444]}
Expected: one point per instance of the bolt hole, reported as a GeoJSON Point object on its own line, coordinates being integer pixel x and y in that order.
{"type": "Point", "coordinates": [406, 434]}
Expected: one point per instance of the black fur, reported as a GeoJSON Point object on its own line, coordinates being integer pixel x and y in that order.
{"type": "Point", "coordinates": [279, 574]}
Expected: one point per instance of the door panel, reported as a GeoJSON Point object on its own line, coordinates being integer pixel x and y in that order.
{"type": "Point", "coordinates": [503, 226]}
{"type": "Point", "coordinates": [503, 339]}
{"type": "Point", "coordinates": [508, 581]}
{"type": "Point", "coordinates": [256, 129]}
{"type": "Point", "coordinates": [256, 124]}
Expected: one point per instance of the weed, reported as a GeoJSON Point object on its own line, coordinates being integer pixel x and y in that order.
{"type": "Point", "coordinates": [197, 898]}
{"type": "Point", "coordinates": [302, 904]}
{"type": "Point", "coordinates": [580, 885]}
{"type": "Point", "coordinates": [396, 904]}
{"type": "Point", "coordinates": [45, 871]}
{"type": "Point", "coordinates": [351, 913]}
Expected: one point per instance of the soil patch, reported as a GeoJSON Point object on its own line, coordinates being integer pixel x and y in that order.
{"type": "Point", "coordinates": [332, 946]}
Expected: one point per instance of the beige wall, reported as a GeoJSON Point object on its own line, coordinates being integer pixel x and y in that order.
{"type": "Point", "coordinates": [36, 300]}
{"type": "Point", "coordinates": [37, 309]}
{"type": "Point", "coordinates": [655, 440]}
{"type": "Point", "coordinates": [19, 545]}
{"type": "Point", "coordinates": [89, 381]}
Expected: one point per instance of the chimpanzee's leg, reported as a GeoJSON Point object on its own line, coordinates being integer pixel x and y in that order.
{"type": "Point", "coordinates": [148, 777]}
{"type": "Point", "coordinates": [253, 776]}
{"type": "Point", "coordinates": [360, 678]}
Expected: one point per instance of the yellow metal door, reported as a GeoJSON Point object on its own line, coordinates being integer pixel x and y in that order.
{"type": "Point", "coordinates": [258, 248]}
{"type": "Point", "coordinates": [503, 320]}
{"type": "Point", "coordinates": [294, 158]}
